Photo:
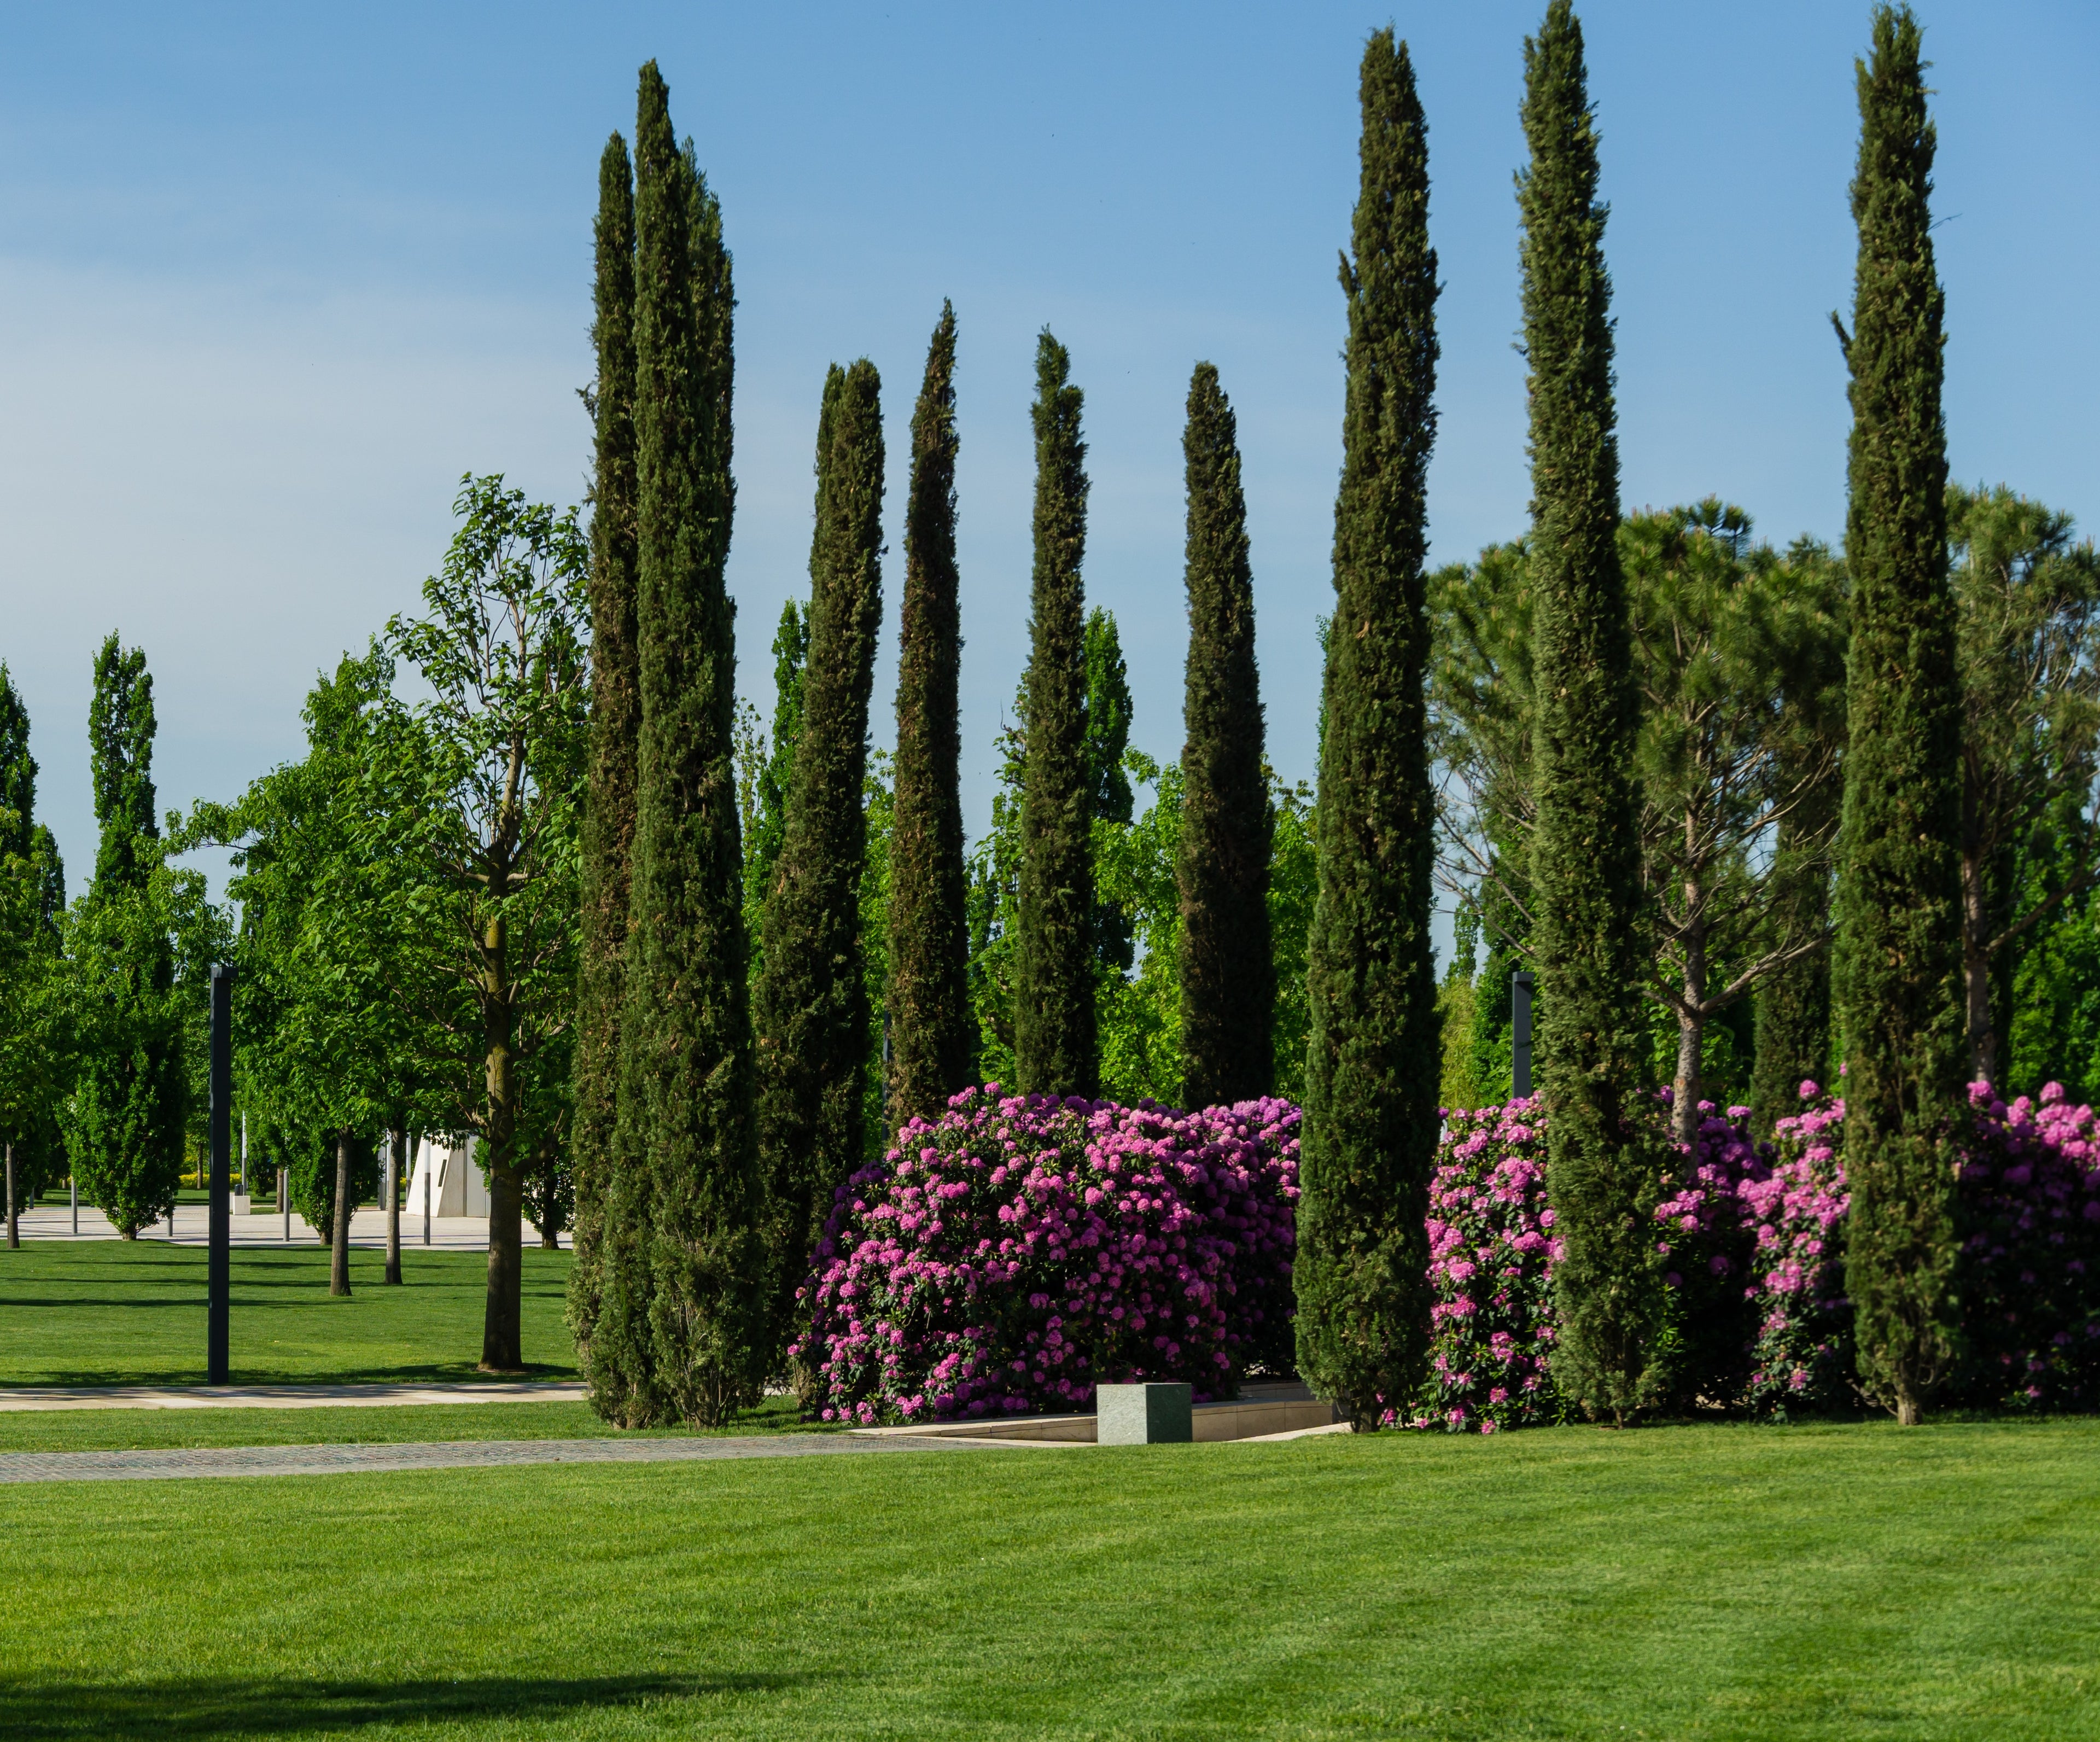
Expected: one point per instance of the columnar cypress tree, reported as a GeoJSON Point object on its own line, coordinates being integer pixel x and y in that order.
{"type": "Point", "coordinates": [1899, 913]}
{"type": "Point", "coordinates": [928, 995]}
{"type": "Point", "coordinates": [768, 824]}
{"type": "Point", "coordinates": [1228, 974]}
{"type": "Point", "coordinates": [1110, 798]}
{"type": "Point", "coordinates": [681, 1329]}
{"type": "Point", "coordinates": [608, 822]}
{"type": "Point", "coordinates": [1585, 850]}
{"type": "Point", "coordinates": [1371, 1068]}
{"type": "Point", "coordinates": [811, 1005]}
{"type": "Point", "coordinates": [1055, 1045]}
{"type": "Point", "coordinates": [129, 1101]}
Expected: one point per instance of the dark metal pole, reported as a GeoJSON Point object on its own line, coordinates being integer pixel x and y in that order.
{"type": "Point", "coordinates": [219, 1270]}
{"type": "Point", "coordinates": [1520, 985]}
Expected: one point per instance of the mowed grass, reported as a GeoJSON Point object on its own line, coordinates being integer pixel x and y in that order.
{"type": "Point", "coordinates": [132, 1312]}
{"type": "Point", "coordinates": [1854, 1580]}
{"type": "Point", "coordinates": [394, 1424]}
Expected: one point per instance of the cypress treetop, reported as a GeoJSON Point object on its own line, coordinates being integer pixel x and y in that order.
{"type": "Point", "coordinates": [1369, 1135]}
{"type": "Point", "coordinates": [607, 833]}
{"type": "Point", "coordinates": [810, 1004]}
{"type": "Point", "coordinates": [1899, 912]}
{"type": "Point", "coordinates": [1604, 1166]}
{"type": "Point", "coordinates": [931, 1026]}
{"type": "Point", "coordinates": [1228, 974]}
{"type": "Point", "coordinates": [1055, 1045]}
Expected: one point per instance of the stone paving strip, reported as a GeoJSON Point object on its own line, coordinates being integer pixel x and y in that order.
{"type": "Point", "coordinates": [337, 1460]}
{"type": "Point", "coordinates": [284, 1396]}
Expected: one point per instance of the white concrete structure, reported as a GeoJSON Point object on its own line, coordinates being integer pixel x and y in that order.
{"type": "Point", "coordinates": [446, 1180]}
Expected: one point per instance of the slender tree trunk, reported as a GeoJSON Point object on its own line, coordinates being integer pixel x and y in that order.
{"type": "Point", "coordinates": [339, 1258]}
{"type": "Point", "coordinates": [398, 1138]}
{"type": "Point", "coordinates": [501, 1331]}
{"type": "Point", "coordinates": [1690, 1019]}
{"type": "Point", "coordinates": [1976, 967]}
{"type": "Point", "coordinates": [14, 1228]}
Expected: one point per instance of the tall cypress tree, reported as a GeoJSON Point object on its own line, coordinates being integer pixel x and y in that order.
{"type": "Point", "coordinates": [1602, 1161]}
{"type": "Point", "coordinates": [681, 1329]}
{"type": "Point", "coordinates": [1228, 973]}
{"type": "Point", "coordinates": [1899, 913]}
{"type": "Point", "coordinates": [128, 1104]}
{"type": "Point", "coordinates": [608, 822]}
{"type": "Point", "coordinates": [928, 994]}
{"type": "Point", "coordinates": [1369, 1137]}
{"type": "Point", "coordinates": [810, 1006]}
{"type": "Point", "coordinates": [1057, 1049]}
{"type": "Point", "coordinates": [769, 823]}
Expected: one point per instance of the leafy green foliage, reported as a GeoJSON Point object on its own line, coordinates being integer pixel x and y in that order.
{"type": "Point", "coordinates": [1371, 1121]}
{"type": "Point", "coordinates": [1055, 1048]}
{"type": "Point", "coordinates": [35, 1039]}
{"type": "Point", "coordinates": [1227, 1000]}
{"type": "Point", "coordinates": [1900, 890]}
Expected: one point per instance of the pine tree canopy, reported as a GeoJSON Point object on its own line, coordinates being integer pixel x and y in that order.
{"type": "Point", "coordinates": [1055, 1046]}
{"type": "Point", "coordinates": [1371, 1070]}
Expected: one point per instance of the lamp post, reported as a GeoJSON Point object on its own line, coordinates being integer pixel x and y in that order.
{"type": "Point", "coordinates": [219, 1264]}
{"type": "Point", "coordinates": [1520, 985]}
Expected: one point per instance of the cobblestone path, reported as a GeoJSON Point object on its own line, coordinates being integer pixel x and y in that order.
{"type": "Point", "coordinates": [330, 1460]}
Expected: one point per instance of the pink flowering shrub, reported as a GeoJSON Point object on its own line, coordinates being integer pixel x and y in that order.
{"type": "Point", "coordinates": [2029, 1205]}
{"type": "Point", "coordinates": [1705, 1242]}
{"type": "Point", "coordinates": [1802, 1360]}
{"type": "Point", "coordinates": [1491, 1253]}
{"type": "Point", "coordinates": [1004, 1257]}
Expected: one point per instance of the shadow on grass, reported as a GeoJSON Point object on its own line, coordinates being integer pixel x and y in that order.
{"type": "Point", "coordinates": [143, 1711]}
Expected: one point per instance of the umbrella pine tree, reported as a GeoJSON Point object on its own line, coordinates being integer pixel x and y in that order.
{"type": "Point", "coordinates": [1899, 914]}
{"type": "Point", "coordinates": [1372, 1058]}
{"type": "Point", "coordinates": [1228, 975]}
{"type": "Point", "coordinates": [1602, 1161]}
{"type": "Point", "coordinates": [1056, 1044]}
{"type": "Point", "coordinates": [928, 995]}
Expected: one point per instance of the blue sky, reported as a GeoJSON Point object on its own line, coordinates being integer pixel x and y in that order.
{"type": "Point", "coordinates": [272, 278]}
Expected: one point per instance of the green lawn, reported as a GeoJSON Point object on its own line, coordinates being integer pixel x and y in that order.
{"type": "Point", "coordinates": [1846, 1582]}
{"type": "Point", "coordinates": [123, 1312]}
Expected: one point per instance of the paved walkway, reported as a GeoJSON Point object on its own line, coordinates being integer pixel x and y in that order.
{"type": "Point", "coordinates": [283, 1396]}
{"type": "Point", "coordinates": [332, 1460]}
{"type": "Point", "coordinates": [367, 1229]}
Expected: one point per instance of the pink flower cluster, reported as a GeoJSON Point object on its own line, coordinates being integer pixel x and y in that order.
{"type": "Point", "coordinates": [1002, 1259]}
{"type": "Point", "coordinates": [1802, 1359]}
{"type": "Point", "coordinates": [1491, 1255]}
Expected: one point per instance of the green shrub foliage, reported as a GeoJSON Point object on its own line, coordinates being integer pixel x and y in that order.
{"type": "Point", "coordinates": [1371, 1062]}
{"type": "Point", "coordinates": [810, 1002]}
{"type": "Point", "coordinates": [1900, 896]}
{"type": "Point", "coordinates": [1056, 1047]}
{"type": "Point", "coordinates": [932, 1033]}
{"type": "Point", "coordinates": [1604, 1166]}
{"type": "Point", "coordinates": [1228, 985]}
